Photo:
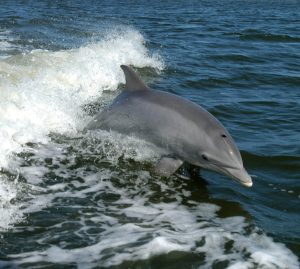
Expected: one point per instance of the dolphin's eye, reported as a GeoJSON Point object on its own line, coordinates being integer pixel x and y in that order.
{"type": "Point", "coordinates": [223, 135]}
{"type": "Point", "coordinates": [204, 157]}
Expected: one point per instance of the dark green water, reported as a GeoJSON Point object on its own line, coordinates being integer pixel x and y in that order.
{"type": "Point", "coordinates": [73, 200]}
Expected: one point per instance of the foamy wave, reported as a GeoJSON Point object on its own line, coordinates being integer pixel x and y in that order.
{"type": "Point", "coordinates": [9, 210]}
{"type": "Point", "coordinates": [42, 92]}
{"type": "Point", "coordinates": [122, 204]}
{"type": "Point", "coordinates": [164, 228]}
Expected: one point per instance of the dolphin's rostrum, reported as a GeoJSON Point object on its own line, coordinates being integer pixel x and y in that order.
{"type": "Point", "coordinates": [182, 128]}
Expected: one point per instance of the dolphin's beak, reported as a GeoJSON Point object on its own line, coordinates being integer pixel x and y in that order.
{"type": "Point", "coordinates": [240, 175]}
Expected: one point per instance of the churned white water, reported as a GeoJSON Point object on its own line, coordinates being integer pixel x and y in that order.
{"type": "Point", "coordinates": [9, 211]}
{"type": "Point", "coordinates": [155, 228]}
{"type": "Point", "coordinates": [43, 92]}
{"type": "Point", "coordinates": [109, 211]}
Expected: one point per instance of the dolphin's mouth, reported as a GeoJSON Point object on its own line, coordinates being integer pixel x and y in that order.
{"type": "Point", "coordinates": [240, 175]}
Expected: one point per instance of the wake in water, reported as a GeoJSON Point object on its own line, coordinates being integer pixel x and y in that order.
{"type": "Point", "coordinates": [44, 92]}
{"type": "Point", "coordinates": [89, 199]}
{"type": "Point", "coordinates": [99, 196]}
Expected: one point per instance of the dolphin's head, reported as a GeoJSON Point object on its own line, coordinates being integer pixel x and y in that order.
{"type": "Point", "coordinates": [221, 154]}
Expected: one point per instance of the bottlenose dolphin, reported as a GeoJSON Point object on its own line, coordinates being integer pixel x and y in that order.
{"type": "Point", "coordinates": [182, 128]}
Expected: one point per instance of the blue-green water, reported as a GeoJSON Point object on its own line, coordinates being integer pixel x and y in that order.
{"type": "Point", "coordinates": [73, 200]}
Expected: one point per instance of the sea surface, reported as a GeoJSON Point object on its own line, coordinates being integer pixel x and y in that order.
{"type": "Point", "coordinates": [70, 199]}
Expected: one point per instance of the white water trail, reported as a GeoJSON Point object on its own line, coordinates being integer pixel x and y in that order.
{"type": "Point", "coordinates": [43, 92]}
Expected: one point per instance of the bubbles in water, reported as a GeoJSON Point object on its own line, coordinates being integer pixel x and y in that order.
{"type": "Point", "coordinates": [116, 212]}
{"type": "Point", "coordinates": [44, 92]}
{"type": "Point", "coordinates": [281, 189]}
{"type": "Point", "coordinates": [9, 207]}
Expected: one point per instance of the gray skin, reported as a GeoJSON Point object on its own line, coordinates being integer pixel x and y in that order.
{"type": "Point", "coordinates": [182, 128]}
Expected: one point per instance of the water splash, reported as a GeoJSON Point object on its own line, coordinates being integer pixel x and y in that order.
{"type": "Point", "coordinates": [42, 92]}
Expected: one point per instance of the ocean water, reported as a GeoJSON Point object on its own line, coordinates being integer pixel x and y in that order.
{"type": "Point", "coordinates": [75, 200]}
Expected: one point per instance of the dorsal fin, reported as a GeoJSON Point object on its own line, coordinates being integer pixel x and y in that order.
{"type": "Point", "coordinates": [133, 82]}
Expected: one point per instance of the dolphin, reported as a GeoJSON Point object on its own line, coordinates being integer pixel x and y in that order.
{"type": "Point", "coordinates": [183, 129]}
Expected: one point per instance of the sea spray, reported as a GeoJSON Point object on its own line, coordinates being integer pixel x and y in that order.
{"type": "Point", "coordinates": [44, 92]}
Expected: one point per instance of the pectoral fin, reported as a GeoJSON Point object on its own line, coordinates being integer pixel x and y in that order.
{"type": "Point", "coordinates": [167, 166]}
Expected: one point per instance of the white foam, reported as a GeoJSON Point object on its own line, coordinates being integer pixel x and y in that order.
{"type": "Point", "coordinates": [151, 229]}
{"type": "Point", "coordinates": [113, 146]}
{"type": "Point", "coordinates": [43, 92]}
{"type": "Point", "coordinates": [9, 209]}
{"type": "Point", "coordinates": [166, 227]}
{"type": "Point", "coordinates": [134, 228]}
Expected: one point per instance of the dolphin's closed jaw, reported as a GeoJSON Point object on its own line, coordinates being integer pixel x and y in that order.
{"type": "Point", "coordinates": [249, 184]}
{"type": "Point", "coordinates": [241, 176]}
